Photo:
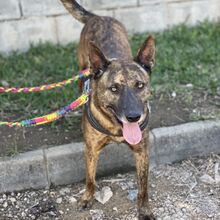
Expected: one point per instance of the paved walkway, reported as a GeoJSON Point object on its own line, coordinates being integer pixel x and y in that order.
{"type": "Point", "coordinates": [189, 190]}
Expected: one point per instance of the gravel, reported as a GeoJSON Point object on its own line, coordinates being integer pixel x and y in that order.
{"type": "Point", "coordinates": [183, 191]}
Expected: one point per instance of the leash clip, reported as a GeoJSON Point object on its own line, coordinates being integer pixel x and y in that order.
{"type": "Point", "coordinates": [87, 88]}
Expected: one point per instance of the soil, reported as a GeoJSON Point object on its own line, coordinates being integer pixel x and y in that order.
{"type": "Point", "coordinates": [166, 110]}
{"type": "Point", "coordinates": [189, 190]}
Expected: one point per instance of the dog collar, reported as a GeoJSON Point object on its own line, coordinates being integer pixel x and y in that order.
{"type": "Point", "coordinates": [95, 124]}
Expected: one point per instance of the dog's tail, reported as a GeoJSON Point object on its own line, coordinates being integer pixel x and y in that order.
{"type": "Point", "coordinates": [77, 11]}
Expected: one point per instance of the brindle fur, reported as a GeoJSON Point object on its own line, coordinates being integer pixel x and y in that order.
{"type": "Point", "coordinates": [105, 49]}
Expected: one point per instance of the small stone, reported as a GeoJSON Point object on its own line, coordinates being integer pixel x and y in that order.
{"type": "Point", "coordinates": [207, 179]}
{"type": "Point", "coordinates": [184, 210]}
{"type": "Point", "coordinates": [123, 186]}
{"type": "Point", "coordinates": [32, 194]}
{"type": "Point", "coordinates": [81, 191]}
{"type": "Point", "coordinates": [161, 210]}
{"type": "Point", "coordinates": [167, 218]}
{"type": "Point", "coordinates": [132, 195]}
{"type": "Point", "coordinates": [72, 199]}
{"type": "Point", "coordinates": [96, 214]}
{"type": "Point", "coordinates": [52, 194]}
{"type": "Point", "coordinates": [173, 94]}
{"type": "Point", "coordinates": [115, 209]}
{"type": "Point", "coordinates": [130, 184]}
{"type": "Point", "coordinates": [61, 212]}
{"type": "Point", "coordinates": [104, 195]}
{"type": "Point", "coordinates": [217, 175]}
{"type": "Point", "coordinates": [13, 200]}
{"type": "Point", "coordinates": [64, 191]}
{"type": "Point", "coordinates": [59, 200]}
{"type": "Point", "coordinates": [52, 213]}
{"type": "Point", "coordinates": [126, 185]}
{"type": "Point", "coordinates": [5, 204]}
{"type": "Point", "coordinates": [153, 185]}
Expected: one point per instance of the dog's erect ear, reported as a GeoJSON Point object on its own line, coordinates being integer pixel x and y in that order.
{"type": "Point", "coordinates": [146, 54]}
{"type": "Point", "coordinates": [98, 61]}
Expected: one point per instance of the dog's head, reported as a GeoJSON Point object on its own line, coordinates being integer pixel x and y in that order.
{"type": "Point", "coordinates": [122, 87]}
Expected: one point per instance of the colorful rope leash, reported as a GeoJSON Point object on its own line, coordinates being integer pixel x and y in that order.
{"type": "Point", "coordinates": [50, 117]}
{"type": "Point", "coordinates": [83, 73]}
{"type": "Point", "coordinates": [57, 114]}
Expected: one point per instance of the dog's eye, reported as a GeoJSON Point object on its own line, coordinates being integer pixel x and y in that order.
{"type": "Point", "coordinates": [139, 85]}
{"type": "Point", "coordinates": [114, 88]}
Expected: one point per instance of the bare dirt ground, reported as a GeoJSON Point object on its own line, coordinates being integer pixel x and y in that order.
{"type": "Point", "coordinates": [189, 190]}
{"type": "Point", "coordinates": [166, 110]}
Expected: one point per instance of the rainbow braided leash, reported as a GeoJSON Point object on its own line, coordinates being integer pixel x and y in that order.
{"type": "Point", "coordinates": [82, 74]}
{"type": "Point", "coordinates": [54, 115]}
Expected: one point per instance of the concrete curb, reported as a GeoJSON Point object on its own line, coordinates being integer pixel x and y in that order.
{"type": "Point", "coordinates": [65, 164]}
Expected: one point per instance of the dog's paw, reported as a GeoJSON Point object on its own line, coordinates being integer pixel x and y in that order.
{"type": "Point", "coordinates": [84, 204]}
{"type": "Point", "coordinates": [146, 217]}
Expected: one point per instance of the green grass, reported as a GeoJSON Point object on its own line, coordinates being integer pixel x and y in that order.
{"type": "Point", "coordinates": [40, 65]}
{"type": "Point", "coordinates": [187, 55]}
{"type": "Point", "coordinates": [184, 55]}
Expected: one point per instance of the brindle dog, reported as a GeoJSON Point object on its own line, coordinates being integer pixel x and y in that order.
{"type": "Point", "coordinates": [118, 109]}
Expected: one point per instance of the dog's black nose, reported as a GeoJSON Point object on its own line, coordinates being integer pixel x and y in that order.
{"type": "Point", "coordinates": [133, 118]}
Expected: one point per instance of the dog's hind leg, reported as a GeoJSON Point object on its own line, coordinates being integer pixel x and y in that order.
{"type": "Point", "coordinates": [142, 165]}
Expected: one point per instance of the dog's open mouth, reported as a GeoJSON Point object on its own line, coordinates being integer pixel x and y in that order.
{"type": "Point", "coordinates": [132, 132]}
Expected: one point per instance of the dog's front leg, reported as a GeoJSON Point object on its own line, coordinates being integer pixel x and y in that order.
{"type": "Point", "coordinates": [91, 157]}
{"type": "Point", "coordinates": [142, 165]}
{"type": "Point", "coordinates": [92, 152]}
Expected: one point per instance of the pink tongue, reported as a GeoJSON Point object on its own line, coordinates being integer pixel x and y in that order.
{"type": "Point", "coordinates": [132, 133]}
